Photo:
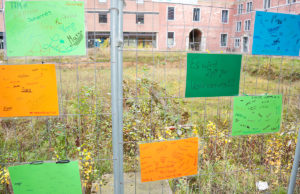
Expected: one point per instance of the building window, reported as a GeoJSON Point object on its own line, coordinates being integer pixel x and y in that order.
{"type": "Point", "coordinates": [102, 1]}
{"type": "Point", "coordinates": [140, 18]}
{"type": "Point", "coordinates": [237, 42]}
{"type": "Point", "coordinates": [225, 16]}
{"type": "Point", "coordinates": [240, 8]}
{"type": "Point", "coordinates": [223, 40]}
{"type": "Point", "coordinates": [102, 17]}
{"type": "Point", "coordinates": [171, 38]}
{"type": "Point", "coordinates": [290, 1]}
{"type": "Point", "coordinates": [139, 1]}
{"type": "Point", "coordinates": [249, 7]}
{"type": "Point", "coordinates": [171, 13]}
{"type": "Point", "coordinates": [238, 26]}
{"type": "Point", "coordinates": [247, 25]}
{"type": "Point", "coordinates": [267, 4]}
{"type": "Point", "coordinates": [196, 15]}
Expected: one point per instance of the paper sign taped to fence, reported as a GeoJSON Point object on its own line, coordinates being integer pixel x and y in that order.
{"type": "Point", "coordinates": [256, 114]}
{"type": "Point", "coordinates": [276, 34]}
{"type": "Point", "coordinates": [168, 159]}
{"type": "Point", "coordinates": [45, 28]}
{"type": "Point", "coordinates": [28, 90]}
{"type": "Point", "coordinates": [211, 75]}
{"type": "Point", "coordinates": [46, 178]}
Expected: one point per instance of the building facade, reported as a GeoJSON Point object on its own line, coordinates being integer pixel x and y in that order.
{"type": "Point", "coordinates": [201, 25]}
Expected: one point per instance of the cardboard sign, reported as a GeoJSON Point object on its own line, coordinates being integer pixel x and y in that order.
{"type": "Point", "coordinates": [256, 114]}
{"type": "Point", "coordinates": [276, 34]}
{"type": "Point", "coordinates": [169, 159]}
{"type": "Point", "coordinates": [45, 28]}
{"type": "Point", "coordinates": [46, 178]}
{"type": "Point", "coordinates": [211, 75]}
{"type": "Point", "coordinates": [28, 90]}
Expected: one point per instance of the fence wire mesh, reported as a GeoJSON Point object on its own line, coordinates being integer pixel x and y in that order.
{"type": "Point", "coordinates": [155, 107]}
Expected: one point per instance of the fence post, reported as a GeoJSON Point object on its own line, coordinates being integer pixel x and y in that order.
{"type": "Point", "coordinates": [116, 97]}
{"type": "Point", "coordinates": [120, 94]}
{"type": "Point", "coordinates": [295, 167]}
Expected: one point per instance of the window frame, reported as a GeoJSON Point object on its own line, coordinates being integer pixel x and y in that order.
{"type": "Point", "coordinates": [236, 26]}
{"type": "Point", "coordinates": [265, 3]}
{"type": "Point", "coordinates": [168, 13]}
{"type": "Point", "coordinates": [289, 2]}
{"type": "Point", "coordinates": [170, 46]}
{"type": "Point", "coordinates": [235, 40]}
{"type": "Point", "coordinates": [194, 14]}
{"type": "Point", "coordinates": [240, 8]}
{"type": "Point", "coordinates": [248, 45]}
{"type": "Point", "coordinates": [248, 7]}
{"type": "Point", "coordinates": [227, 16]}
{"type": "Point", "coordinates": [245, 25]}
{"type": "Point", "coordinates": [103, 14]}
{"type": "Point", "coordinates": [221, 39]}
{"type": "Point", "coordinates": [136, 18]}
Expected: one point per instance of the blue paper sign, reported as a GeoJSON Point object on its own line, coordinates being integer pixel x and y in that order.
{"type": "Point", "coordinates": [276, 34]}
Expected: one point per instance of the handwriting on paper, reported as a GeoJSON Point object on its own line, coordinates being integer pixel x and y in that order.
{"type": "Point", "coordinates": [276, 34]}
{"type": "Point", "coordinates": [28, 90]}
{"type": "Point", "coordinates": [212, 75]}
{"type": "Point", "coordinates": [169, 159]}
{"type": "Point", "coordinates": [45, 28]}
{"type": "Point", "coordinates": [256, 114]}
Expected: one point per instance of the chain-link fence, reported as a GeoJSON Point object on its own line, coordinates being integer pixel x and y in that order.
{"type": "Point", "coordinates": [157, 37]}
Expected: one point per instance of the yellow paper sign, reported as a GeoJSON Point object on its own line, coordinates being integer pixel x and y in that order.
{"type": "Point", "coordinates": [28, 90]}
{"type": "Point", "coordinates": [169, 159]}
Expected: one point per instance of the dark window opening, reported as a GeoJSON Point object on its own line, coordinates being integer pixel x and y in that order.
{"type": "Point", "coordinates": [140, 18]}
{"type": "Point", "coordinates": [102, 17]}
{"type": "Point", "coordinates": [223, 40]}
{"type": "Point", "coordinates": [171, 38]}
{"type": "Point", "coordinates": [224, 16]}
{"type": "Point", "coordinates": [196, 14]}
{"type": "Point", "coordinates": [171, 13]}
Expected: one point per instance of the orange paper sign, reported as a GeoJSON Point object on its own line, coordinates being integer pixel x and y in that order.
{"type": "Point", "coordinates": [28, 90]}
{"type": "Point", "coordinates": [169, 159]}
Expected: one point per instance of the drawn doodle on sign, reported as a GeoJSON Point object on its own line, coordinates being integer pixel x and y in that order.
{"type": "Point", "coordinates": [65, 43]}
{"type": "Point", "coordinates": [68, 28]}
{"type": "Point", "coordinates": [58, 43]}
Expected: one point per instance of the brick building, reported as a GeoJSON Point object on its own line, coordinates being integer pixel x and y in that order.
{"type": "Point", "coordinates": [215, 25]}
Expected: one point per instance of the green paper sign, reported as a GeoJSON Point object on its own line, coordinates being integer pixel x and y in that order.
{"type": "Point", "coordinates": [48, 178]}
{"type": "Point", "coordinates": [211, 75]}
{"type": "Point", "coordinates": [256, 114]}
{"type": "Point", "coordinates": [45, 28]}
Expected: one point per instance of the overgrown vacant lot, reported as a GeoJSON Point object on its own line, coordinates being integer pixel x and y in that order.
{"type": "Point", "coordinates": [155, 109]}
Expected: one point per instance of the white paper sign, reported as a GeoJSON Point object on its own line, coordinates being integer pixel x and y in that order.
{"type": "Point", "coordinates": [262, 185]}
